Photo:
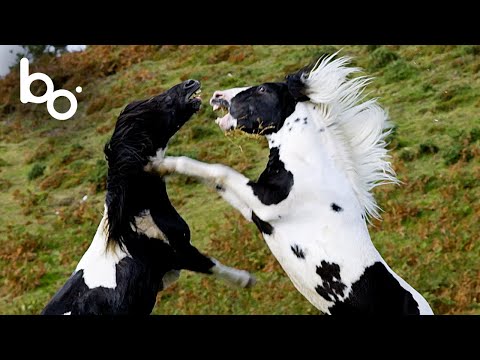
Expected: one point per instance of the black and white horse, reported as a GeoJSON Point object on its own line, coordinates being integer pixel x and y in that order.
{"type": "Point", "coordinates": [327, 152]}
{"type": "Point", "coordinates": [142, 243]}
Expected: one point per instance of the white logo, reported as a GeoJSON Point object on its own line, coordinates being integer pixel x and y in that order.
{"type": "Point", "coordinates": [49, 97]}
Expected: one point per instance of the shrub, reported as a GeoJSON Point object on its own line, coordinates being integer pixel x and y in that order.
{"type": "Point", "coordinates": [452, 155]}
{"type": "Point", "coordinates": [408, 154]}
{"type": "Point", "coordinates": [36, 171]}
{"type": "Point", "coordinates": [469, 50]}
{"type": "Point", "coordinates": [68, 155]}
{"type": "Point", "coordinates": [42, 152]}
{"type": "Point", "coordinates": [56, 179]}
{"type": "Point", "coordinates": [456, 153]}
{"type": "Point", "coordinates": [450, 97]}
{"type": "Point", "coordinates": [428, 148]}
{"type": "Point", "coordinates": [380, 57]}
{"type": "Point", "coordinates": [426, 87]}
{"type": "Point", "coordinates": [96, 104]}
{"type": "Point", "coordinates": [474, 135]}
{"type": "Point", "coordinates": [399, 70]}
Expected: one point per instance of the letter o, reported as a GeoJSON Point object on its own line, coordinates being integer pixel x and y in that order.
{"type": "Point", "coordinates": [73, 104]}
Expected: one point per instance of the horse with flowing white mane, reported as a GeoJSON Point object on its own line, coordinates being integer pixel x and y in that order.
{"type": "Point", "coordinates": [313, 201]}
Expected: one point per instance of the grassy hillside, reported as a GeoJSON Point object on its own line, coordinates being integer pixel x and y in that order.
{"type": "Point", "coordinates": [430, 229]}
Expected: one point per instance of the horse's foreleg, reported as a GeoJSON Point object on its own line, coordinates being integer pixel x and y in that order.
{"type": "Point", "coordinates": [232, 185]}
{"type": "Point", "coordinates": [230, 197]}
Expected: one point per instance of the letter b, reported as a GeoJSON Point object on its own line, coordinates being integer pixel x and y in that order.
{"type": "Point", "coordinates": [26, 80]}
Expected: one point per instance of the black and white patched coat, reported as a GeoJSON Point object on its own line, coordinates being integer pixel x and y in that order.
{"type": "Point", "coordinates": [327, 152]}
{"type": "Point", "coordinates": [141, 243]}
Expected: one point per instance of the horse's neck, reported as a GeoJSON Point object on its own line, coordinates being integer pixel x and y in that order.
{"type": "Point", "coordinates": [311, 152]}
{"type": "Point", "coordinates": [321, 187]}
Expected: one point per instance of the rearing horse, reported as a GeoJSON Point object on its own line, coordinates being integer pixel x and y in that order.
{"type": "Point", "coordinates": [312, 202]}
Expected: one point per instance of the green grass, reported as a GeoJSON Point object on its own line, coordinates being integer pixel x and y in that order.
{"type": "Point", "coordinates": [430, 229]}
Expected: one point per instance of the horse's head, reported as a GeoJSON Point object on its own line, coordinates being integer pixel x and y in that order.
{"type": "Point", "coordinates": [162, 115]}
{"type": "Point", "coordinates": [260, 109]}
{"type": "Point", "coordinates": [356, 129]}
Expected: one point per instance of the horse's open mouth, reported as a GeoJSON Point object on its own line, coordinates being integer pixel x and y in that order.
{"type": "Point", "coordinates": [193, 95]}
{"type": "Point", "coordinates": [220, 104]}
{"type": "Point", "coordinates": [225, 120]}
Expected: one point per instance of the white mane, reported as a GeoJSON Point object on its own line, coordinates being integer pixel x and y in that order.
{"type": "Point", "coordinates": [360, 127]}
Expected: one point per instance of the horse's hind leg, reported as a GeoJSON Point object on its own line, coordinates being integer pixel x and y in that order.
{"type": "Point", "coordinates": [189, 258]}
{"type": "Point", "coordinates": [194, 260]}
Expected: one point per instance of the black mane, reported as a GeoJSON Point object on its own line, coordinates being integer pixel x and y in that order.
{"type": "Point", "coordinates": [127, 153]}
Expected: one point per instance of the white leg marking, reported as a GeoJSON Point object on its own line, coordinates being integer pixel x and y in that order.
{"type": "Point", "coordinates": [232, 276]}
{"type": "Point", "coordinates": [68, 313]}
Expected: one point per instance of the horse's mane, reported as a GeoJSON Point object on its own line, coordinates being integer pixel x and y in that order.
{"type": "Point", "coordinates": [360, 128]}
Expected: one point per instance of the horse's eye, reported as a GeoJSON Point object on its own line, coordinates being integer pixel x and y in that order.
{"type": "Point", "coordinates": [261, 89]}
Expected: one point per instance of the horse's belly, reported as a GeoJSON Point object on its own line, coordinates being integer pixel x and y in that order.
{"type": "Point", "coordinates": [299, 260]}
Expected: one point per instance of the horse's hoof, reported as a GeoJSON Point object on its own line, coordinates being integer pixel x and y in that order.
{"type": "Point", "coordinates": [251, 281]}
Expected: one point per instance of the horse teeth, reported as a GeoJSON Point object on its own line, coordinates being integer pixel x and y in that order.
{"type": "Point", "coordinates": [215, 107]}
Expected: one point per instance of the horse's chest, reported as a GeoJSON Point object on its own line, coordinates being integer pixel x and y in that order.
{"type": "Point", "coordinates": [144, 224]}
{"type": "Point", "coordinates": [296, 254]}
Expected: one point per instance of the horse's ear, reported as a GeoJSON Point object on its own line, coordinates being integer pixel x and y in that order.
{"type": "Point", "coordinates": [296, 85]}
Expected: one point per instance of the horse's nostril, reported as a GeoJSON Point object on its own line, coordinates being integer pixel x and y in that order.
{"type": "Point", "coordinates": [218, 95]}
{"type": "Point", "coordinates": [189, 83]}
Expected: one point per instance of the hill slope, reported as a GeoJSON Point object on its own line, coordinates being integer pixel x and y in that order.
{"type": "Point", "coordinates": [430, 229]}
